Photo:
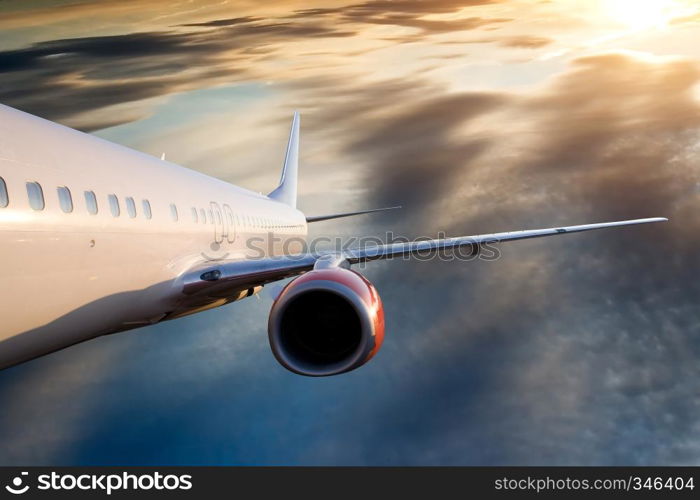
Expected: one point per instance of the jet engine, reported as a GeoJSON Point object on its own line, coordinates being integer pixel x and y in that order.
{"type": "Point", "coordinates": [326, 322]}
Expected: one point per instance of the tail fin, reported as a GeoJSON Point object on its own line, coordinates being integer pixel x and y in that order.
{"type": "Point", "coordinates": [286, 192]}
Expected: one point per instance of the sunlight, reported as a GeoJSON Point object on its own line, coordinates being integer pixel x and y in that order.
{"type": "Point", "coordinates": [642, 14]}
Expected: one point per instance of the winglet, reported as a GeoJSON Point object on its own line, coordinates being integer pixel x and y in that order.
{"type": "Point", "coordinates": [286, 192]}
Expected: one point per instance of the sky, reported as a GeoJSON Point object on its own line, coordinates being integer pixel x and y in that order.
{"type": "Point", "coordinates": [476, 116]}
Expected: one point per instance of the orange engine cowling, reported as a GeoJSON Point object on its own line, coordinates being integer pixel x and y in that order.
{"type": "Point", "coordinates": [326, 322]}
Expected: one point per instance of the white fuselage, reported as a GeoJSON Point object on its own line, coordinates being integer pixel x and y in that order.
{"type": "Point", "coordinates": [71, 276]}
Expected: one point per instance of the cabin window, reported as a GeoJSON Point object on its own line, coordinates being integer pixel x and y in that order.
{"type": "Point", "coordinates": [113, 205]}
{"type": "Point", "coordinates": [36, 195]}
{"type": "Point", "coordinates": [218, 217]}
{"type": "Point", "coordinates": [194, 215]}
{"type": "Point", "coordinates": [4, 200]}
{"type": "Point", "coordinates": [91, 202]}
{"type": "Point", "coordinates": [203, 215]}
{"type": "Point", "coordinates": [173, 212]}
{"type": "Point", "coordinates": [146, 208]}
{"type": "Point", "coordinates": [130, 206]}
{"type": "Point", "coordinates": [211, 217]}
{"type": "Point", "coordinates": [65, 199]}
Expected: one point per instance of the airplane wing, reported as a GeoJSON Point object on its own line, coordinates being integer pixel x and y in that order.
{"type": "Point", "coordinates": [228, 279]}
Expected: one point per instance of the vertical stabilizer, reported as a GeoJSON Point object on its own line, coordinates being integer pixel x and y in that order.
{"type": "Point", "coordinates": [286, 192]}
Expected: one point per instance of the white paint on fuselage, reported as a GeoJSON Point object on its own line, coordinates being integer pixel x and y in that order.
{"type": "Point", "coordinates": [72, 276]}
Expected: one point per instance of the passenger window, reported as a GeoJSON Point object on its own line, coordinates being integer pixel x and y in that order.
{"type": "Point", "coordinates": [173, 212]}
{"type": "Point", "coordinates": [65, 199]}
{"type": "Point", "coordinates": [203, 215]}
{"type": "Point", "coordinates": [130, 206]}
{"type": "Point", "coordinates": [113, 205]}
{"type": "Point", "coordinates": [146, 208]}
{"type": "Point", "coordinates": [91, 202]}
{"type": "Point", "coordinates": [194, 215]}
{"type": "Point", "coordinates": [4, 200]}
{"type": "Point", "coordinates": [211, 217]}
{"type": "Point", "coordinates": [218, 217]}
{"type": "Point", "coordinates": [36, 195]}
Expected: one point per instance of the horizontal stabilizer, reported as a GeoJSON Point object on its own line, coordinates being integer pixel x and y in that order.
{"type": "Point", "coordinates": [318, 218]}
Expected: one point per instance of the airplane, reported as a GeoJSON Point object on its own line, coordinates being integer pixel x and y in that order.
{"type": "Point", "coordinates": [97, 238]}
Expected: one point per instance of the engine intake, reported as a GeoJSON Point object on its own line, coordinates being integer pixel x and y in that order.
{"type": "Point", "coordinates": [326, 322]}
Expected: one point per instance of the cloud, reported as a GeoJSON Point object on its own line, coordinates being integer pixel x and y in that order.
{"type": "Point", "coordinates": [689, 19]}
{"type": "Point", "coordinates": [418, 148]}
{"type": "Point", "coordinates": [610, 315]}
{"type": "Point", "coordinates": [63, 78]}
{"type": "Point", "coordinates": [225, 22]}
{"type": "Point", "coordinates": [406, 14]}
{"type": "Point", "coordinates": [31, 15]}
{"type": "Point", "coordinates": [526, 42]}
{"type": "Point", "coordinates": [580, 349]}
{"type": "Point", "coordinates": [564, 334]}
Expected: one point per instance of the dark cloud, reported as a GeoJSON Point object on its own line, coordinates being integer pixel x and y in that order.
{"type": "Point", "coordinates": [608, 114]}
{"type": "Point", "coordinates": [61, 78]}
{"type": "Point", "coordinates": [225, 22]}
{"type": "Point", "coordinates": [66, 77]}
{"type": "Point", "coordinates": [405, 13]}
{"type": "Point", "coordinates": [368, 11]}
{"type": "Point", "coordinates": [595, 332]}
{"type": "Point", "coordinates": [418, 148]}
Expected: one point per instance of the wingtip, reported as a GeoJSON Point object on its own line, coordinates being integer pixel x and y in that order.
{"type": "Point", "coordinates": [650, 220]}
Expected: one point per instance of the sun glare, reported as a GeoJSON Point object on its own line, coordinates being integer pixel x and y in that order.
{"type": "Point", "coordinates": [642, 14]}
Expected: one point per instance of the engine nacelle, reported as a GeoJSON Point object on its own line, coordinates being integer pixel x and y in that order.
{"type": "Point", "coordinates": [326, 322]}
